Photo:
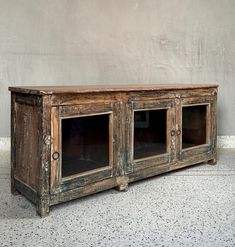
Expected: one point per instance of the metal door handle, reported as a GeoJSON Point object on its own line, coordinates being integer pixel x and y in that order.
{"type": "Point", "coordinates": [173, 133]}
{"type": "Point", "coordinates": [178, 132]}
{"type": "Point", "coordinates": [55, 156]}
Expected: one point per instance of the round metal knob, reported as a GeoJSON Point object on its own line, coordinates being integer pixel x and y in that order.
{"type": "Point", "coordinates": [173, 133]}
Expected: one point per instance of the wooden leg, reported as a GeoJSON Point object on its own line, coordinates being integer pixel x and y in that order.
{"type": "Point", "coordinates": [212, 162]}
{"type": "Point", "coordinates": [43, 208]}
{"type": "Point", "coordinates": [122, 187]}
{"type": "Point", "coordinates": [14, 191]}
{"type": "Point", "coordinates": [43, 212]}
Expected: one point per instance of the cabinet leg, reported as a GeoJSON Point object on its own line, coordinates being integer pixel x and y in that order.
{"type": "Point", "coordinates": [43, 208]}
{"type": "Point", "coordinates": [122, 187]}
{"type": "Point", "coordinates": [14, 191]}
{"type": "Point", "coordinates": [43, 212]}
{"type": "Point", "coordinates": [212, 162]}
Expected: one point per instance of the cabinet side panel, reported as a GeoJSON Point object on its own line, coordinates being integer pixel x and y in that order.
{"type": "Point", "coordinates": [27, 137]}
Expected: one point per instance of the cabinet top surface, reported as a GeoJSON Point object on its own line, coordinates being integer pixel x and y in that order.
{"type": "Point", "coordinates": [45, 90]}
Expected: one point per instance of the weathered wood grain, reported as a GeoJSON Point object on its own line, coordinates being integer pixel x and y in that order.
{"type": "Point", "coordinates": [85, 109]}
{"type": "Point", "coordinates": [85, 179]}
{"type": "Point", "coordinates": [27, 191]}
{"type": "Point", "coordinates": [45, 158]}
{"type": "Point", "coordinates": [13, 143]}
{"type": "Point", "coordinates": [55, 168]}
{"type": "Point", "coordinates": [27, 135]}
{"type": "Point", "coordinates": [107, 88]}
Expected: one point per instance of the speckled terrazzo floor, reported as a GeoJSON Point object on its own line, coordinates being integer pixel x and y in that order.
{"type": "Point", "coordinates": [191, 207]}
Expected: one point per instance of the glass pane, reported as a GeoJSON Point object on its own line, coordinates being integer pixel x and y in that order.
{"type": "Point", "coordinates": [194, 125]}
{"type": "Point", "coordinates": [85, 144]}
{"type": "Point", "coordinates": [149, 133]}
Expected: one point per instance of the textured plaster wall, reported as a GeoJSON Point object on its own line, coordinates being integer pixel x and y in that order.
{"type": "Point", "coordinates": [118, 41]}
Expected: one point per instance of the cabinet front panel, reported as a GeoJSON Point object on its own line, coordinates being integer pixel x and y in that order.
{"type": "Point", "coordinates": [149, 133]}
{"type": "Point", "coordinates": [84, 148]}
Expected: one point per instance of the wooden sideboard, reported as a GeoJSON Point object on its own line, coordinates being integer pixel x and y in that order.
{"type": "Point", "coordinates": [69, 142]}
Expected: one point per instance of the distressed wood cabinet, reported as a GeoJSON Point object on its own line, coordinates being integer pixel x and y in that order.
{"type": "Point", "coordinates": [68, 142]}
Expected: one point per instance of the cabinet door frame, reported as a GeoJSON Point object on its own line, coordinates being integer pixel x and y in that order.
{"type": "Point", "coordinates": [134, 165]}
{"type": "Point", "coordinates": [58, 113]}
{"type": "Point", "coordinates": [197, 150]}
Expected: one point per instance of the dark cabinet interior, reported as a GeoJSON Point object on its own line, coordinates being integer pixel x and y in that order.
{"type": "Point", "coordinates": [85, 144]}
{"type": "Point", "coordinates": [149, 133]}
{"type": "Point", "coordinates": [194, 125]}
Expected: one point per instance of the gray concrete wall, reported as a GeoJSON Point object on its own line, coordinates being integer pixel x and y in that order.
{"type": "Point", "coordinates": [118, 41]}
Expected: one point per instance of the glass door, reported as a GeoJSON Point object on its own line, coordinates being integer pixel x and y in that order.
{"type": "Point", "coordinates": [149, 134]}
{"type": "Point", "coordinates": [150, 137]}
{"type": "Point", "coordinates": [83, 149]}
{"type": "Point", "coordinates": [195, 127]}
{"type": "Point", "coordinates": [85, 144]}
